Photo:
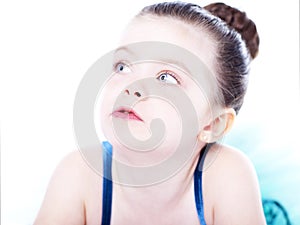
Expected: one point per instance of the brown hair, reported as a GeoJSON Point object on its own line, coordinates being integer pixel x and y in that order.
{"type": "Point", "coordinates": [237, 42]}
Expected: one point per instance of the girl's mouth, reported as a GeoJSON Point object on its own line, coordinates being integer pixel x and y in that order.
{"type": "Point", "coordinates": [126, 113]}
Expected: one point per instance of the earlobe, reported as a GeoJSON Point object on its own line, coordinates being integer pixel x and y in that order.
{"type": "Point", "coordinates": [218, 127]}
{"type": "Point", "coordinates": [204, 136]}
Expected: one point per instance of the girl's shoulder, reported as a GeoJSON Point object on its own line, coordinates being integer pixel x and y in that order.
{"type": "Point", "coordinates": [231, 186]}
{"type": "Point", "coordinates": [69, 191]}
{"type": "Point", "coordinates": [226, 158]}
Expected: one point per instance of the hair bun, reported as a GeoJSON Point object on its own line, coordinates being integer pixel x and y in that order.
{"type": "Point", "coordinates": [240, 22]}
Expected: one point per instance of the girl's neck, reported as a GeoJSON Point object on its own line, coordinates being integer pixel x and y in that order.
{"type": "Point", "coordinates": [172, 193]}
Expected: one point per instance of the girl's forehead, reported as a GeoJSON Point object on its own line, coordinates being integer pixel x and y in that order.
{"type": "Point", "coordinates": [174, 31]}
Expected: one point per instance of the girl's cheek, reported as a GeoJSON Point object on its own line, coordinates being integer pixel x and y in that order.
{"type": "Point", "coordinates": [111, 90]}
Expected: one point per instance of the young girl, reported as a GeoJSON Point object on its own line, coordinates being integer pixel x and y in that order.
{"type": "Point", "coordinates": [206, 182]}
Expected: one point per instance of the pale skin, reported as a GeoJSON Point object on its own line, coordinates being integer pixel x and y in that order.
{"type": "Point", "coordinates": [230, 187]}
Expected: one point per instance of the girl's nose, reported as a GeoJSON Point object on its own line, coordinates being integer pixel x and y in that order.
{"type": "Point", "coordinates": [135, 93]}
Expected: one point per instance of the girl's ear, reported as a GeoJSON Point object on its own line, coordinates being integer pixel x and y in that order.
{"type": "Point", "coordinates": [218, 127]}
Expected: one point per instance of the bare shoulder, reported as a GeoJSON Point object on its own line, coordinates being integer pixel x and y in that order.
{"type": "Point", "coordinates": [232, 187]}
{"type": "Point", "coordinates": [73, 171]}
{"type": "Point", "coordinates": [72, 161]}
{"type": "Point", "coordinates": [228, 158]}
{"type": "Point", "coordinates": [66, 195]}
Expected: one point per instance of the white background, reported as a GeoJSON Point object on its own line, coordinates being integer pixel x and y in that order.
{"type": "Point", "coordinates": [47, 46]}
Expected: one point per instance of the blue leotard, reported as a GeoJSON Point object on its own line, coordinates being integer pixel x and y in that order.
{"type": "Point", "coordinates": [107, 184]}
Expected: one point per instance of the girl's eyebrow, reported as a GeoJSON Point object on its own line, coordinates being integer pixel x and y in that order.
{"type": "Point", "coordinates": [180, 65]}
{"type": "Point", "coordinates": [172, 62]}
{"type": "Point", "coordinates": [125, 49]}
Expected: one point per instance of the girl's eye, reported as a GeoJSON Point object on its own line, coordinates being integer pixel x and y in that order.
{"type": "Point", "coordinates": [168, 77]}
{"type": "Point", "coordinates": [122, 68]}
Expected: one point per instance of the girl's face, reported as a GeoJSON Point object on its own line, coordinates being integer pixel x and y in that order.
{"type": "Point", "coordinates": [131, 99]}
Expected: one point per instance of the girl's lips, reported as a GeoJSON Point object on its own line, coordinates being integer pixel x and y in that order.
{"type": "Point", "coordinates": [126, 113]}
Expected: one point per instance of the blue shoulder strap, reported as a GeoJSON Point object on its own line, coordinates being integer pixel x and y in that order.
{"type": "Point", "coordinates": [198, 184]}
{"type": "Point", "coordinates": [107, 183]}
